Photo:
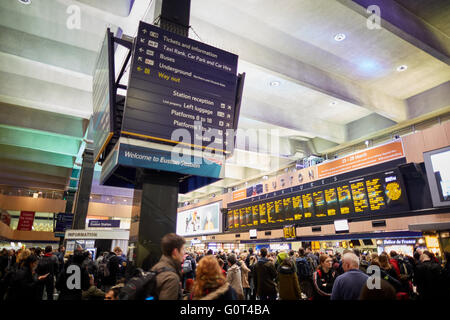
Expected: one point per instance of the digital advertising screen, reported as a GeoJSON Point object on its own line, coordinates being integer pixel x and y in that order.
{"type": "Point", "coordinates": [437, 164]}
{"type": "Point", "coordinates": [394, 191]}
{"type": "Point", "coordinates": [199, 221]}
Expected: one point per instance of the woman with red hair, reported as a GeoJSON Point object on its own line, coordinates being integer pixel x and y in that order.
{"type": "Point", "coordinates": [210, 284]}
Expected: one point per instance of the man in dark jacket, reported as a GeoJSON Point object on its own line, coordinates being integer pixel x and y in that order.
{"type": "Point", "coordinates": [266, 274]}
{"type": "Point", "coordinates": [428, 278]}
{"type": "Point", "coordinates": [48, 264]}
{"type": "Point", "coordinates": [74, 279]}
{"type": "Point", "coordinates": [168, 280]}
{"type": "Point", "coordinates": [189, 267]}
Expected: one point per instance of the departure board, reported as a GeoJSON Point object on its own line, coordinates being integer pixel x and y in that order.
{"type": "Point", "coordinates": [331, 201]}
{"type": "Point", "coordinates": [288, 209]}
{"type": "Point", "coordinates": [297, 207]}
{"type": "Point", "coordinates": [394, 191]}
{"type": "Point", "coordinates": [243, 223]}
{"type": "Point", "coordinates": [319, 204]}
{"type": "Point", "coordinates": [369, 196]}
{"type": "Point", "coordinates": [345, 199]}
{"type": "Point", "coordinates": [248, 214]}
{"type": "Point", "coordinates": [375, 193]}
{"type": "Point", "coordinates": [270, 212]}
{"type": "Point", "coordinates": [359, 196]}
{"type": "Point", "coordinates": [255, 214]}
{"type": "Point", "coordinates": [236, 218]}
{"type": "Point", "coordinates": [279, 210]}
{"type": "Point", "coordinates": [262, 213]}
{"type": "Point", "coordinates": [230, 219]}
{"type": "Point", "coordinates": [308, 205]}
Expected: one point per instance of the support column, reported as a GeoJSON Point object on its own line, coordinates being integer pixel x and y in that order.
{"type": "Point", "coordinates": [84, 190]}
{"type": "Point", "coordinates": [155, 200]}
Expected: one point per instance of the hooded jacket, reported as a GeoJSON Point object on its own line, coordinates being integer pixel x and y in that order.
{"type": "Point", "coordinates": [288, 285]}
{"type": "Point", "coordinates": [265, 277]}
{"type": "Point", "coordinates": [168, 283]}
{"type": "Point", "coordinates": [234, 278]}
{"type": "Point", "coordinates": [225, 292]}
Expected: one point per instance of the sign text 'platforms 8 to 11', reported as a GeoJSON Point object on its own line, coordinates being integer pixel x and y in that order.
{"type": "Point", "coordinates": [179, 83]}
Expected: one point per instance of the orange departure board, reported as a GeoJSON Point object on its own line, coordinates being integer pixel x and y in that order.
{"type": "Point", "coordinates": [319, 204]}
{"type": "Point", "coordinates": [262, 213]}
{"type": "Point", "coordinates": [236, 218]}
{"type": "Point", "coordinates": [288, 209]}
{"type": "Point", "coordinates": [332, 201]}
{"type": "Point", "coordinates": [297, 207]}
{"type": "Point", "coordinates": [308, 205]}
{"type": "Point", "coordinates": [270, 211]}
{"type": "Point", "coordinates": [248, 214]}
{"type": "Point", "coordinates": [255, 213]}
{"type": "Point", "coordinates": [279, 210]}
{"type": "Point", "coordinates": [359, 196]}
{"type": "Point", "coordinates": [376, 194]}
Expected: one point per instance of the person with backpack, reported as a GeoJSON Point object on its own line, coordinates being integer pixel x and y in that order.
{"type": "Point", "coordinates": [304, 273]}
{"type": "Point", "coordinates": [188, 268]}
{"type": "Point", "coordinates": [234, 276]}
{"type": "Point", "coordinates": [74, 268]}
{"type": "Point", "coordinates": [109, 270]}
{"type": "Point", "coordinates": [288, 286]}
{"type": "Point", "coordinates": [169, 268]}
{"type": "Point", "coordinates": [266, 274]}
{"type": "Point", "coordinates": [323, 278]}
{"type": "Point", "coordinates": [428, 278]}
{"type": "Point", "coordinates": [48, 264]}
{"type": "Point", "coordinates": [24, 282]}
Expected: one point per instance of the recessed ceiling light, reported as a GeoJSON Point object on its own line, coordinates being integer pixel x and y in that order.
{"type": "Point", "coordinates": [402, 68]}
{"type": "Point", "coordinates": [274, 83]}
{"type": "Point", "coordinates": [333, 103]}
{"type": "Point", "coordinates": [339, 37]}
{"type": "Point", "coordinates": [25, 1]}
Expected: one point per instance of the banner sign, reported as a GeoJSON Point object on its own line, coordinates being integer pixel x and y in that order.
{"type": "Point", "coordinates": [369, 157]}
{"type": "Point", "coordinates": [63, 222]}
{"type": "Point", "coordinates": [26, 220]}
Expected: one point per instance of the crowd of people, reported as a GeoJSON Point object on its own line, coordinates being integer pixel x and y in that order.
{"type": "Point", "coordinates": [35, 274]}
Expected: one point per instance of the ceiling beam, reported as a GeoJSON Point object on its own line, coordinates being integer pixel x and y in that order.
{"type": "Point", "coordinates": [39, 140]}
{"type": "Point", "coordinates": [18, 116]}
{"type": "Point", "coordinates": [307, 75]}
{"type": "Point", "coordinates": [24, 154]}
{"type": "Point", "coordinates": [33, 167]}
{"type": "Point", "coordinates": [404, 24]}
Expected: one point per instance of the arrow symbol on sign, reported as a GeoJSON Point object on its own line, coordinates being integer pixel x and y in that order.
{"type": "Point", "coordinates": [139, 58]}
{"type": "Point", "coordinates": [141, 50]}
{"type": "Point", "coordinates": [144, 31]}
{"type": "Point", "coordinates": [228, 125]}
{"type": "Point", "coordinates": [142, 40]}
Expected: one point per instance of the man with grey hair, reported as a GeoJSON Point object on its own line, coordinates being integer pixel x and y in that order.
{"type": "Point", "coordinates": [348, 285]}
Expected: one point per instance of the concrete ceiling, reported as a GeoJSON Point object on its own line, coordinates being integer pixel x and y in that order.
{"type": "Point", "coordinates": [329, 94]}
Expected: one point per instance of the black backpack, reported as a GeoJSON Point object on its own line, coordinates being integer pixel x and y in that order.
{"type": "Point", "coordinates": [142, 287]}
{"type": "Point", "coordinates": [304, 270]}
{"type": "Point", "coordinates": [406, 269]}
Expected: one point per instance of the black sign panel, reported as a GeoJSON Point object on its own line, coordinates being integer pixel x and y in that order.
{"type": "Point", "coordinates": [179, 83]}
{"type": "Point", "coordinates": [369, 196]}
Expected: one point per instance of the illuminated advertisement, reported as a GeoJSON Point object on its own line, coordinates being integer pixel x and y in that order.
{"type": "Point", "coordinates": [202, 220]}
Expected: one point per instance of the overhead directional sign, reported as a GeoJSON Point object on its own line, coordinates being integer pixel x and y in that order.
{"type": "Point", "coordinates": [179, 83]}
